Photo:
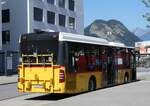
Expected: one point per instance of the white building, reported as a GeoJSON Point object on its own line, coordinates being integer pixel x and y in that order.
{"type": "Point", "coordinates": [26, 16]}
{"type": "Point", "coordinates": [143, 47]}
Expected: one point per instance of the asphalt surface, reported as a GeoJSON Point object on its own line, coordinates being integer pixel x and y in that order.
{"type": "Point", "coordinates": [135, 94]}
{"type": "Point", "coordinates": [132, 94]}
{"type": "Point", "coordinates": [8, 91]}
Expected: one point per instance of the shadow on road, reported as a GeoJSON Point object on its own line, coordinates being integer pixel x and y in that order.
{"type": "Point", "coordinates": [56, 97]}
{"type": "Point", "coordinates": [52, 97]}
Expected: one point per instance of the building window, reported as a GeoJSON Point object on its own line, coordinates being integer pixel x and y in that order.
{"type": "Point", "coordinates": [51, 1]}
{"type": "Point", "coordinates": [50, 17]}
{"type": "Point", "coordinates": [71, 22]}
{"type": "Point", "coordinates": [62, 20]}
{"type": "Point", "coordinates": [38, 14]}
{"type": "Point", "coordinates": [61, 3]}
{"type": "Point", "coordinates": [5, 16]}
{"type": "Point", "coordinates": [5, 37]}
{"type": "Point", "coordinates": [71, 5]}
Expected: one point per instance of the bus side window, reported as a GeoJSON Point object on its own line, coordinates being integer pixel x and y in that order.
{"type": "Point", "coordinates": [92, 58]}
{"type": "Point", "coordinates": [82, 61]}
{"type": "Point", "coordinates": [126, 58]}
{"type": "Point", "coordinates": [104, 62]}
{"type": "Point", "coordinates": [102, 59]}
{"type": "Point", "coordinates": [75, 59]}
{"type": "Point", "coordinates": [70, 58]}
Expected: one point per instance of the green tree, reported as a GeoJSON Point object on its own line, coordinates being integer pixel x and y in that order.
{"type": "Point", "coordinates": [147, 14]}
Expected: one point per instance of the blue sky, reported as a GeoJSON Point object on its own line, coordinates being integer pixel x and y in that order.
{"type": "Point", "coordinates": [129, 12]}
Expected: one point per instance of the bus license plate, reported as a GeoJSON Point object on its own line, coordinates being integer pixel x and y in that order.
{"type": "Point", "coordinates": [38, 86]}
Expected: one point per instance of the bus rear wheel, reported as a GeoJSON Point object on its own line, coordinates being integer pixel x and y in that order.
{"type": "Point", "coordinates": [92, 84]}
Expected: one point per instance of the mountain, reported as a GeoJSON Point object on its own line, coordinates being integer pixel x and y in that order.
{"type": "Point", "coordinates": [143, 34]}
{"type": "Point", "coordinates": [145, 37]}
{"type": "Point", "coordinates": [139, 31]}
{"type": "Point", "coordinates": [112, 30]}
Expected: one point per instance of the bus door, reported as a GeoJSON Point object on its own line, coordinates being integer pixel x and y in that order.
{"type": "Point", "coordinates": [133, 64]}
{"type": "Point", "coordinates": [104, 69]}
{"type": "Point", "coordinates": [111, 67]}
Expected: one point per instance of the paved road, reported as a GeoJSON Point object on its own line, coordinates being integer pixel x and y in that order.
{"type": "Point", "coordinates": [135, 94]}
{"type": "Point", "coordinates": [132, 94]}
{"type": "Point", "coordinates": [8, 91]}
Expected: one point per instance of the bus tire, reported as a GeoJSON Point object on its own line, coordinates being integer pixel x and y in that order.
{"type": "Point", "coordinates": [92, 84]}
{"type": "Point", "coordinates": [126, 78]}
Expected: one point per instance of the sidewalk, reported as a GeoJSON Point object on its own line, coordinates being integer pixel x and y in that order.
{"type": "Point", "coordinates": [8, 79]}
{"type": "Point", "coordinates": [143, 75]}
{"type": "Point", "coordinates": [143, 69]}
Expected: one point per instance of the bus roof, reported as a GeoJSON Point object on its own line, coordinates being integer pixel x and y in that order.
{"type": "Point", "coordinates": [88, 39]}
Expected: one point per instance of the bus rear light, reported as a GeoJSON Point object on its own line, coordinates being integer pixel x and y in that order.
{"type": "Point", "coordinates": [61, 76]}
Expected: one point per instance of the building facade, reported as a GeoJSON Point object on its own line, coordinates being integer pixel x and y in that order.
{"type": "Point", "coordinates": [26, 16]}
{"type": "Point", "coordinates": [144, 50]}
{"type": "Point", "coordinates": [143, 47]}
{"type": "Point", "coordinates": [0, 27]}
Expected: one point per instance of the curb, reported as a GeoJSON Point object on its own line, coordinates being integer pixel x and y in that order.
{"type": "Point", "coordinates": [8, 83]}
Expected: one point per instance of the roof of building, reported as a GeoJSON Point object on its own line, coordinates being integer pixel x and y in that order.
{"type": "Point", "coordinates": [143, 43]}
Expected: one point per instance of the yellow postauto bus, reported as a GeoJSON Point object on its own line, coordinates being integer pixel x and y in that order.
{"type": "Point", "coordinates": [58, 62]}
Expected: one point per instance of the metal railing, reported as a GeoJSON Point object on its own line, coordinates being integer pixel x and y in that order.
{"type": "Point", "coordinates": [37, 59]}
